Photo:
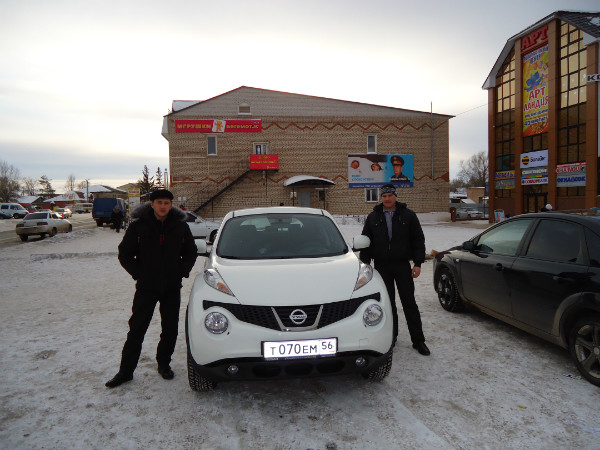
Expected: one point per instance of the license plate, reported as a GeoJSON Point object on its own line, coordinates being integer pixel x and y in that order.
{"type": "Point", "coordinates": [299, 349]}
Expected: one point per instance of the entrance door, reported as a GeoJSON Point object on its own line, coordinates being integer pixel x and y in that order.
{"type": "Point", "coordinates": [534, 202]}
{"type": "Point", "coordinates": [304, 199]}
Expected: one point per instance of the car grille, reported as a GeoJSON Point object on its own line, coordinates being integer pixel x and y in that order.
{"type": "Point", "coordinates": [266, 316]}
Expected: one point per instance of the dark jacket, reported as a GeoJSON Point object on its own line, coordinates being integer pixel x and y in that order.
{"type": "Point", "coordinates": [158, 254]}
{"type": "Point", "coordinates": [408, 240]}
{"type": "Point", "coordinates": [116, 216]}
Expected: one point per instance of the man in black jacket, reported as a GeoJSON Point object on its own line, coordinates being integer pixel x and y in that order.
{"type": "Point", "coordinates": [396, 238]}
{"type": "Point", "coordinates": [157, 250]}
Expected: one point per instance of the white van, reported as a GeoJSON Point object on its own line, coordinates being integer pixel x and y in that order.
{"type": "Point", "coordinates": [81, 208]}
{"type": "Point", "coordinates": [14, 209]}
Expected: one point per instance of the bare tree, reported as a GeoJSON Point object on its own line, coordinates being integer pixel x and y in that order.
{"type": "Point", "coordinates": [9, 182]}
{"type": "Point", "coordinates": [28, 185]}
{"type": "Point", "coordinates": [473, 172]}
{"type": "Point", "coordinates": [70, 183]}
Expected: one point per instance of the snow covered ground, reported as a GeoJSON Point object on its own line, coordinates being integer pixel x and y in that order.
{"type": "Point", "coordinates": [65, 302]}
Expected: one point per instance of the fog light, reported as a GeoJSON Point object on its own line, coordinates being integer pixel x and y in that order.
{"type": "Point", "coordinates": [233, 370]}
{"type": "Point", "coordinates": [216, 323]}
{"type": "Point", "coordinates": [372, 315]}
{"type": "Point", "coordinates": [360, 361]}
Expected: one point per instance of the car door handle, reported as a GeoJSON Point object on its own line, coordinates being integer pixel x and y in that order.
{"type": "Point", "coordinates": [499, 267]}
{"type": "Point", "coordinates": [561, 279]}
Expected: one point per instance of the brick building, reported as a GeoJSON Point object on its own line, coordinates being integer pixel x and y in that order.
{"type": "Point", "coordinates": [254, 147]}
{"type": "Point", "coordinates": [543, 116]}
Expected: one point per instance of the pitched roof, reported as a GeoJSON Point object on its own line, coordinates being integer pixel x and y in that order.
{"type": "Point", "coordinates": [588, 22]}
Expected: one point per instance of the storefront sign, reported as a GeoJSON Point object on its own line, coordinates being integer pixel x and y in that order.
{"type": "Point", "coordinates": [535, 92]}
{"type": "Point", "coordinates": [264, 162]}
{"type": "Point", "coordinates": [527, 181]}
{"type": "Point", "coordinates": [534, 39]}
{"type": "Point", "coordinates": [594, 77]}
{"type": "Point", "coordinates": [505, 179]}
{"type": "Point", "coordinates": [374, 170]}
{"type": "Point", "coordinates": [570, 175]}
{"type": "Point", "coordinates": [534, 159]}
{"type": "Point", "coordinates": [218, 126]}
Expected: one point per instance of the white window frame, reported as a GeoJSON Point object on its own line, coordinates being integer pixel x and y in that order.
{"type": "Point", "coordinates": [264, 148]}
{"type": "Point", "coordinates": [208, 138]}
{"type": "Point", "coordinates": [374, 136]}
{"type": "Point", "coordinates": [377, 195]}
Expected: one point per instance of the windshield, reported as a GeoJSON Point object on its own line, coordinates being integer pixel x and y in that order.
{"type": "Point", "coordinates": [269, 236]}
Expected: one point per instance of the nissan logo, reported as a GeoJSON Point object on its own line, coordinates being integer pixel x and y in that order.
{"type": "Point", "coordinates": [298, 316]}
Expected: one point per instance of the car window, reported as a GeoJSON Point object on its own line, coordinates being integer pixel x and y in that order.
{"type": "Point", "coordinates": [36, 216]}
{"type": "Point", "coordinates": [55, 216]}
{"type": "Point", "coordinates": [505, 238]}
{"type": "Point", "coordinates": [593, 246]}
{"type": "Point", "coordinates": [280, 236]}
{"type": "Point", "coordinates": [557, 240]}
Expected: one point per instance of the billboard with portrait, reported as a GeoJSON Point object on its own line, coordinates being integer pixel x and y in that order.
{"type": "Point", "coordinates": [373, 170]}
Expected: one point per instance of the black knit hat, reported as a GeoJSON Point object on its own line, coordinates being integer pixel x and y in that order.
{"type": "Point", "coordinates": [161, 193]}
{"type": "Point", "coordinates": [388, 189]}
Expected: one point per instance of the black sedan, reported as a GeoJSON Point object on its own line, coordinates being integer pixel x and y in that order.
{"type": "Point", "coordinates": [539, 272]}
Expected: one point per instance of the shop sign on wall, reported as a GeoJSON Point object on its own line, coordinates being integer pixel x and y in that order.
{"type": "Point", "coordinates": [535, 83]}
{"type": "Point", "coordinates": [568, 175]}
{"type": "Point", "coordinates": [264, 162]}
{"type": "Point", "coordinates": [534, 159]}
{"type": "Point", "coordinates": [534, 175]}
{"type": "Point", "coordinates": [505, 179]}
{"type": "Point", "coordinates": [374, 170]}
{"type": "Point", "coordinates": [218, 126]}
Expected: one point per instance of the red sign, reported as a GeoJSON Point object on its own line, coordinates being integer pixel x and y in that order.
{"type": "Point", "coordinates": [264, 162]}
{"type": "Point", "coordinates": [534, 39]}
{"type": "Point", "coordinates": [218, 126]}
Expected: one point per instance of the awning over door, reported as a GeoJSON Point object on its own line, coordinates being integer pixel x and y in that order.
{"type": "Point", "coordinates": [307, 180]}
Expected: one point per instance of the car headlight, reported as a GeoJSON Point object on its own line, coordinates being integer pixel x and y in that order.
{"type": "Point", "coordinates": [214, 280]}
{"type": "Point", "coordinates": [365, 274]}
{"type": "Point", "coordinates": [372, 315]}
{"type": "Point", "coordinates": [216, 323]}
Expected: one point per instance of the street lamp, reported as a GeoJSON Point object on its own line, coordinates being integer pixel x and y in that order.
{"type": "Point", "coordinates": [166, 183]}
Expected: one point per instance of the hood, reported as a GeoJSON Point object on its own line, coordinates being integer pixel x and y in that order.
{"type": "Point", "coordinates": [282, 282]}
{"type": "Point", "coordinates": [145, 210]}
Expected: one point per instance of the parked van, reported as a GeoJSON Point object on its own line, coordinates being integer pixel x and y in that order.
{"type": "Point", "coordinates": [81, 208]}
{"type": "Point", "coordinates": [14, 210]}
{"type": "Point", "coordinates": [103, 208]}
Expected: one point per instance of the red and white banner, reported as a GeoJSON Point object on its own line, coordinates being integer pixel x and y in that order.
{"type": "Point", "coordinates": [218, 126]}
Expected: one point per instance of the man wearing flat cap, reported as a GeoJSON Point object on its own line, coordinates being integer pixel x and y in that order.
{"type": "Point", "coordinates": [397, 239]}
{"type": "Point", "coordinates": [158, 250]}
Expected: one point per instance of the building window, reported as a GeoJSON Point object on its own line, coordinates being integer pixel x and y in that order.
{"type": "Point", "coordinates": [372, 195]}
{"type": "Point", "coordinates": [371, 143]}
{"type": "Point", "coordinates": [504, 138]}
{"type": "Point", "coordinates": [244, 110]}
{"type": "Point", "coordinates": [573, 98]}
{"type": "Point", "coordinates": [260, 148]}
{"type": "Point", "coordinates": [211, 145]}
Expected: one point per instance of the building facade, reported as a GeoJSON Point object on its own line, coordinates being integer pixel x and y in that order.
{"type": "Point", "coordinates": [253, 147]}
{"type": "Point", "coordinates": [543, 117]}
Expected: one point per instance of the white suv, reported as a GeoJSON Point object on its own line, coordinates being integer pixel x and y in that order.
{"type": "Point", "coordinates": [14, 210]}
{"type": "Point", "coordinates": [282, 295]}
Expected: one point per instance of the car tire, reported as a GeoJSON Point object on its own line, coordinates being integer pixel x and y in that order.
{"type": "Point", "coordinates": [53, 232]}
{"type": "Point", "coordinates": [448, 292]}
{"type": "Point", "coordinates": [197, 382]}
{"type": "Point", "coordinates": [99, 223]}
{"type": "Point", "coordinates": [43, 236]}
{"type": "Point", "coordinates": [382, 371]}
{"type": "Point", "coordinates": [70, 228]}
{"type": "Point", "coordinates": [213, 236]}
{"type": "Point", "coordinates": [24, 237]}
{"type": "Point", "coordinates": [584, 344]}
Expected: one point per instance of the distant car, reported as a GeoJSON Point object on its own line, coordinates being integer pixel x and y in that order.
{"type": "Point", "coordinates": [31, 208]}
{"type": "Point", "coordinates": [65, 213]}
{"type": "Point", "coordinates": [474, 214]}
{"type": "Point", "coordinates": [200, 228]}
{"type": "Point", "coordinates": [282, 295]}
{"type": "Point", "coordinates": [42, 224]}
{"type": "Point", "coordinates": [81, 208]}
{"type": "Point", "coordinates": [539, 272]}
{"type": "Point", "coordinates": [14, 209]}
{"type": "Point", "coordinates": [5, 215]}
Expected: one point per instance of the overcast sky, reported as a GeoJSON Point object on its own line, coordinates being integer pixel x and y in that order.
{"type": "Point", "coordinates": [84, 85]}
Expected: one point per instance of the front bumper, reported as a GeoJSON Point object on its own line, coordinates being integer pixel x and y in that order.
{"type": "Point", "coordinates": [259, 368]}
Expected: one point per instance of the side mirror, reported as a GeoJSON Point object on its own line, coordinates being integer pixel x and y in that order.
{"type": "Point", "coordinates": [360, 242]}
{"type": "Point", "coordinates": [201, 247]}
{"type": "Point", "coordinates": [469, 246]}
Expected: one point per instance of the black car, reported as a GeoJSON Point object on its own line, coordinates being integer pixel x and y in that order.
{"type": "Point", "coordinates": [539, 272]}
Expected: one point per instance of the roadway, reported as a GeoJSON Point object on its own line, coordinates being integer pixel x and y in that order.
{"type": "Point", "coordinates": [8, 236]}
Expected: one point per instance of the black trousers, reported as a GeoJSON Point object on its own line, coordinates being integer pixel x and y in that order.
{"type": "Point", "coordinates": [401, 274]}
{"type": "Point", "coordinates": [144, 303]}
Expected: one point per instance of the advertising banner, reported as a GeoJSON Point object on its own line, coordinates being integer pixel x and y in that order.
{"type": "Point", "coordinates": [133, 197]}
{"type": "Point", "coordinates": [218, 126]}
{"type": "Point", "coordinates": [568, 175]}
{"type": "Point", "coordinates": [505, 179]}
{"type": "Point", "coordinates": [534, 159]}
{"type": "Point", "coordinates": [264, 162]}
{"type": "Point", "coordinates": [374, 170]}
{"type": "Point", "coordinates": [535, 92]}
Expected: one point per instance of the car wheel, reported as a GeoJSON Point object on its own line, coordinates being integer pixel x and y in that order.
{"type": "Point", "coordinates": [197, 382]}
{"type": "Point", "coordinates": [99, 223]}
{"type": "Point", "coordinates": [584, 344]}
{"type": "Point", "coordinates": [53, 232]}
{"type": "Point", "coordinates": [382, 371]}
{"type": "Point", "coordinates": [24, 237]}
{"type": "Point", "coordinates": [448, 292]}
{"type": "Point", "coordinates": [42, 235]}
{"type": "Point", "coordinates": [213, 236]}
{"type": "Point", "coordinates": [70, 228]}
